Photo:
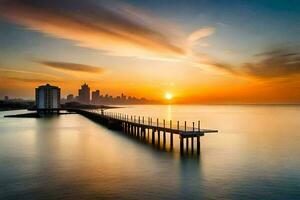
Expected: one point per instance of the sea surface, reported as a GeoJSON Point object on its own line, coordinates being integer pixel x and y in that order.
{"type": "Point", "coordinates": [255, 155]}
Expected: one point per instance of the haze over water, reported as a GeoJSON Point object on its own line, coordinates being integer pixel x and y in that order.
{"type": "Point", "coordinates": [255, 155]}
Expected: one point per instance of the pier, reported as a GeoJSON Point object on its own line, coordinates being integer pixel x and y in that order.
{"type": "Point", "coordinates": [144, 128]}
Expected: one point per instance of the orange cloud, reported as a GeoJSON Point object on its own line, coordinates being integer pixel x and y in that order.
{"type": "Point", "coordinates": [115, 28]}
{"type": "Point", "coordinates": [27, 76]}
{"type": "Point", "coordinates": [72, 66]}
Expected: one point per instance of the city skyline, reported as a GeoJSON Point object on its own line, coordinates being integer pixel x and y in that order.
{"type": "Point", "coordinates": [87, 96]}
{"type": "Point", "coordinates": [197, 51]}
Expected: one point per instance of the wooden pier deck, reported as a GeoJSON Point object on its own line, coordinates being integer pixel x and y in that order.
{"type": "Point", "coordinates": [157, 129]}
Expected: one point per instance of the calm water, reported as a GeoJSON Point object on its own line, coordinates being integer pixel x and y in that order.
{"type": "Point", "coordinates": [255, 155]}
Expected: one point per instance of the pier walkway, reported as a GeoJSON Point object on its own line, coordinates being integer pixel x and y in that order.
{"type": "Point", "coordinates": [156, 130]}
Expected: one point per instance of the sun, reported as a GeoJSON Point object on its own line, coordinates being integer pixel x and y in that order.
{"type": "Point", "coordinates": [168, 96]}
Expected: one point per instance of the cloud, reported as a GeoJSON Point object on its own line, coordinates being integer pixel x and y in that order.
{"type": "Point", "coordinates": [270, 64]}
{"type": "Point", "coordinates": [33, 80]}
{"type": "Point", "coordinates": [26, 76]}
{"type": "Point", "coordinates": [204, 44]}
{"type": "Point", "coordinates": [114, 27]}
{"type": "Point", "coordinates": [277, 64]}
{"type": "Point", "coordinates": [13, 72]}
{"type": "Point", "coordinates": [199, 34]}
{"type": "Point", "coordinates": [72, 66]}
{"type": "Point", "coordinates": [226, 67]}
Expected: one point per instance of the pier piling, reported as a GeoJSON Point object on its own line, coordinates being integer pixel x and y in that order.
{"type": "Point", "coordinates": [171, 136]}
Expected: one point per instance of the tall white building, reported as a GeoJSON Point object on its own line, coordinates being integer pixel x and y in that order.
{"type": "Point", "coordinates": [47, 97]}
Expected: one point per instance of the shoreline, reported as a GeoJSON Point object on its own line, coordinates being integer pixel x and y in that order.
{"type": "Point", "coordinates": [11, 109]}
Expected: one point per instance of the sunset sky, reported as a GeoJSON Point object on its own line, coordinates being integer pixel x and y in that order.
{"type": "Point", "coordinates": [200, 51]}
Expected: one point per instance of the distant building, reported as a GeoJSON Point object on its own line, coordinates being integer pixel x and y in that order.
{"type": "Point", "coordinates": [6, 98]}
{"type": "Point", "coordinates": [70, 98]}
{"type": "Point", "coordinates": [123, 97]}
{"type": "Point", "coordinates": [85, 97]}
{"type": "Point", "coordinates": [95, 96]}
{"type": "Point", "coordinates": [47, 97]}
{"type": "Point", "coordinates": [63, 100]}
{"type": "Point", "coordinates": [84, 94]}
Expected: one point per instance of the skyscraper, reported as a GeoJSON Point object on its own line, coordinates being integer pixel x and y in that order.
{"type": "Point", "coordinates": [84, 94]}
{"type": "Point", "coordinates": [95, 96]}
{"type": "Point", "coordinates": [47, 97]}
{"type": "Point", "coordinates": [70, 98]}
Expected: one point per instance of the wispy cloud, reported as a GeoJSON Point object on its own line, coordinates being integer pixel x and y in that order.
{"type": "Point", "coordinates": [33, 80]}
{"type": "Point", "coordinates": [27, 76]}
{"type": "Point", "coordinates": [276, 63]}
{"type": "Point", "coordinates": [200, 34]}
{"type": "Point", "coordinates": [16, 72]}
{"type": "Point", "coordinates": [72, 66]}
{"type": "Point", "coordinates": [112, 26]}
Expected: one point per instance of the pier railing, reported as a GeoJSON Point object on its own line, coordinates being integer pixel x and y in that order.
{"type": "Point", "coordinates": [177, 126]}
{"type": "Point", "coordinates": [141, 126]}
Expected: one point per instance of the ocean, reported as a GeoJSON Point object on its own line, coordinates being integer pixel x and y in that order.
{"type": "Point", "coordinates": [255, 155]}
